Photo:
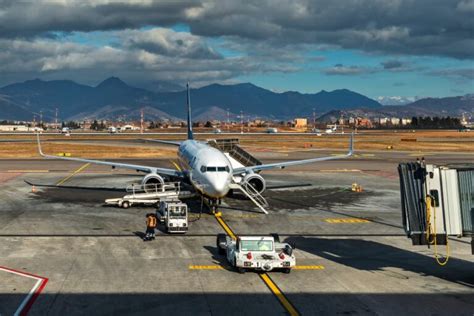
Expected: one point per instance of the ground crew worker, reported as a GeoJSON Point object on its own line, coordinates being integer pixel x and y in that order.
{"type": "Point", "coordinates": [150, 227]}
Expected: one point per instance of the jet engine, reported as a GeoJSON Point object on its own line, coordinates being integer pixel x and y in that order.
{"type": "Point", "coordinates": [256, 181]}
{"type": "Point", "coordinates": [152, 182]}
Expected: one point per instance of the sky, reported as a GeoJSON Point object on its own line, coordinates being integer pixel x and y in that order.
{"type": "Point", "coordinates": [378, 48]}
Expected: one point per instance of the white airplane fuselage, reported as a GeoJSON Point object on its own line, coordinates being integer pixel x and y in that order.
{"type": "Point", "coordinates": [208, 169]}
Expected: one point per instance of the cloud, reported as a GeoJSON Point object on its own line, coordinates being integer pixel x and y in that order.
{"type": "Point", "coordinates": [466, 6]}
{"type": "Point", "coordinates": [138, 56]}
{"type": "Point", "coordinates": [341, 70]}
{"type": "Point", "coordinates": [436, 27]}
{"type": "Point", "coordinates": [170, 43]}
{"type": "Point", "coordinates": [30, 18]}
{"type": "Point", "coordinates": [458, 91]}
{"type": "Point", "coordinates": [392, 64]}
{"type": "Point", "coordinates": [455, 73]}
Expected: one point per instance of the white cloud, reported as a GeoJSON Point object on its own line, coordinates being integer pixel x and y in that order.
{"type": "Point", "coordinates": [157, 54]}
{"type": "Point", "coordinates": [342, 70]}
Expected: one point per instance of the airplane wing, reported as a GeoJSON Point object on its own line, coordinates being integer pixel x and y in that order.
{"type": "Point", "coordinates": [165, 142]}
{"type": "Point", "coordinates": [284, 164]}
{"type": "Point", "coordinates": [42, 185]}
{"type": "Point", "coordinates": [148, 169]}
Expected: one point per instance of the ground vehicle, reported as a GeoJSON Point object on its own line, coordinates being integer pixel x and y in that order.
{"type": "Point", "coordinates": [316, 131]}
{"type": "Point", "coordinates": [264, 253]}
{"type": "Point", "coordinates": [174, 215]}
{"type": "Point", "coordinates": [150, 194]}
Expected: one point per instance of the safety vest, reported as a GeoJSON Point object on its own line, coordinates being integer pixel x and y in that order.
{"type": "Point", "coordinates": [151, 221]}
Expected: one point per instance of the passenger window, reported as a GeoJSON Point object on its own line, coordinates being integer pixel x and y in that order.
{"type": "Point", "coordinates": [211, 169]}
{"type": "Point", "coordinates": [221, 169]}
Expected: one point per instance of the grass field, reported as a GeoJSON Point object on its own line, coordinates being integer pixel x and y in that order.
{"type": "Point", "coordinates": [128, 146]}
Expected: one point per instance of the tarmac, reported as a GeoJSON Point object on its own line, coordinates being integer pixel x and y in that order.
{"type": "Point", "coordinates": [62, 252]}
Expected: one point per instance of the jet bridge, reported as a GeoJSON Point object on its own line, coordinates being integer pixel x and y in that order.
{"type": "Point", "coordinates": [437, 202]}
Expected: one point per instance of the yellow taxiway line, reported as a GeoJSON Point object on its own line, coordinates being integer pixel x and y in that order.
{"type": "Point", "coordinates": [175, 165]}
{"type": "Point", "coordinates": [340, 170]}
{"type": "Point", "coordinates": [346, 220]}
{"type": "Point", "coordinates": [28, 171]}
{"type": "Point", "coordinates": [311, 267]}
{"type": "Point", "coordinates": [73, 174]}
{"type": "Point", "coordinates": [225, 226]}
{"type": "Point", "coordinates": [279, 294]}
{"type": "Point", "coordinates": [208, 267]}
{"type": "Point", "coordinates": [290, 309]}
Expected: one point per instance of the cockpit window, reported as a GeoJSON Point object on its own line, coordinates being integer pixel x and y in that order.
{"type": "Point", "coordinates": [215, 169]}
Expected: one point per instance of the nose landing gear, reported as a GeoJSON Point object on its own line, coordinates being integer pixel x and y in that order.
{"type": "Point", "coordinates": [213, 204]}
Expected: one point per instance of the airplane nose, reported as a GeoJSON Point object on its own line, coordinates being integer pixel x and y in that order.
{"type": "Point", "coordinates": [220, 187]}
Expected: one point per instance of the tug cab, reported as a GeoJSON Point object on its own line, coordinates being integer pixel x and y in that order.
{"type": "Point", "coordinates": [174, 215]}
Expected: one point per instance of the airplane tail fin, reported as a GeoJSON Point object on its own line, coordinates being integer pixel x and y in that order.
{"type": "Point", "coordinates": [190, 123]}
{"type": "Point", "coordinates": [351, 145]}
{"type": "Point", "coordinates": [40, 151]}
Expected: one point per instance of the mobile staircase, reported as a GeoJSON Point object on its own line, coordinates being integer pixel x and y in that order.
{"type": "Point", "coordinates": [231, 147]}
{"type": "Point", "coordinates": [249, 191]}
{"type": "Point", "coordinates": [241, 158]}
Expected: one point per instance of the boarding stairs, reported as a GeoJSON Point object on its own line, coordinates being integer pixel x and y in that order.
{"type": "Point", "coordinates": [249, 191]}
{"type": "Point", "coordinates": [231, 146]}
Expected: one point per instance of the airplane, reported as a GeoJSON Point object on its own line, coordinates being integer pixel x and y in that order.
{"type": "Point", "coordinates": [331, 129]}
{"type": "Point", "coordinates": [206, 168]}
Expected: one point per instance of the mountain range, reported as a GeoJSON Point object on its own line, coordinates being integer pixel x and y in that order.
{"type": "Point", "coordinates": [113, 99]}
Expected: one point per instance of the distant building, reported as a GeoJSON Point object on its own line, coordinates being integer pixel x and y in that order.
{"type": "Point", "coordinates": [395, 121]}
{"type": "Point", "coordinates": [86, 124]}
{"type": "Point", "coordinates": [406, 121]}
{"type": "Point", "coordinates": [464, 121]}
{"type": "Point", "coordinates": [53, 125]}
{"type": "Point", "coordinates": [383, 120]}
{"type": "Point", "coordinates": [129, 127]}
{"type": "Point", "coordinates": [300, 122]}
{"type": "Point", "coordinates": [364, 122]}
{"type": "Point", "coordinates": [352, 120]}
{"type": "Point", "coordinates": [14, 128]}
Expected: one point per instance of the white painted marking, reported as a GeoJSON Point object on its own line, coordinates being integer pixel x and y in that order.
{"type": "Point", "coordinates": [32, 291]}
{"type": "Point", "coordinates": [27, 298]}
